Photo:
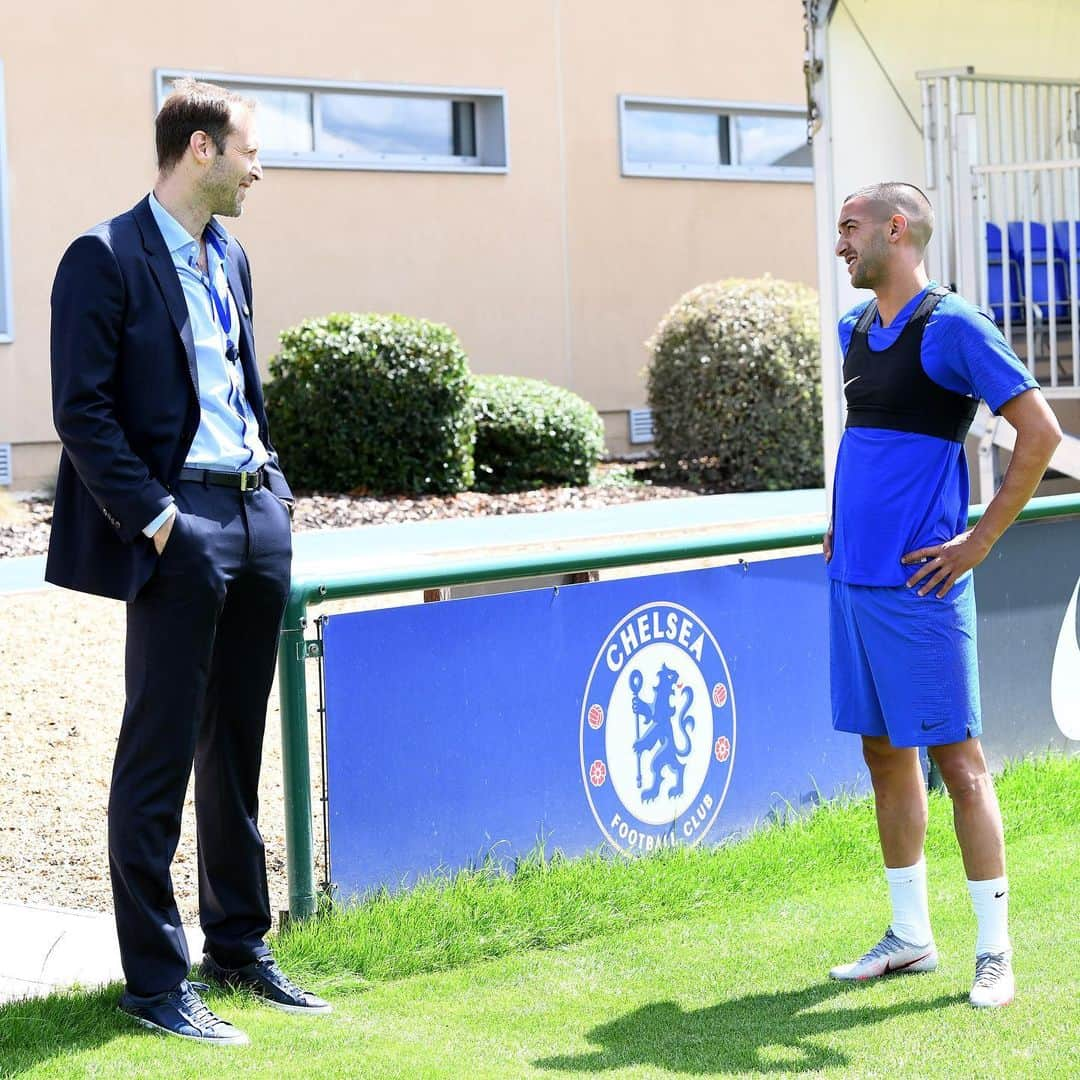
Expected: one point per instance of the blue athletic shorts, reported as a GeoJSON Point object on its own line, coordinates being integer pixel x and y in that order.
{"type": "Point", "coordinates": [904, 665]}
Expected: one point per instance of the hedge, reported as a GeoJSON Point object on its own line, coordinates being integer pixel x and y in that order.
{"type": "Point", "coordinates": [378, 403]}
{"type": "Point", "coordinates": [531, 434]}
{"type": "Point", "coordinates": [734, 386]}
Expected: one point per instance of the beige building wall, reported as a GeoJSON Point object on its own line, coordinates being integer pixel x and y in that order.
{"type": "Point", "coordinates": [637, 244]}
{"type": "Point", "coordinates": [559, 268]}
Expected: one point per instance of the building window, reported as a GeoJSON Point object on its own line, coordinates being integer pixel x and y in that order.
{"type": "Point", "coordinates": [330, 125]}
{"type": "Point", "coordinates": [713, 140]}
{"type": "Point", "coordinates": [7, 331]}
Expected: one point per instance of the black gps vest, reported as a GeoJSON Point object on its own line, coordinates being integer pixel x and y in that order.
{"type": "Point", "coordinates": [890, 389]}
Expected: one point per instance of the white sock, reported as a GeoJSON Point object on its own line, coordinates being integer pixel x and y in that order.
{"type": "Point", "coordinates": [911, 909]}
{"type": "Point", "coordinates": [990, 899]}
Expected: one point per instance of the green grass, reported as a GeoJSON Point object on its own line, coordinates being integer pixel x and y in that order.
{"type": "Point", "coordinates": [613, 476]}
{"type": "Point", "coordinates": [686, 963]}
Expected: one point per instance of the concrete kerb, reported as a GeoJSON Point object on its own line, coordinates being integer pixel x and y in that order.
{"type": "Point", "coordinates": [48, 949]}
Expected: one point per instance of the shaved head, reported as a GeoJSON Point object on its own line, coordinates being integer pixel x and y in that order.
{"type": "Point", "coordinates": [885, 200]}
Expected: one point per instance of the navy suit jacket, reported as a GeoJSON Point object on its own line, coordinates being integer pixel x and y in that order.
{"type": "Point", "coordinates": [126, 399]}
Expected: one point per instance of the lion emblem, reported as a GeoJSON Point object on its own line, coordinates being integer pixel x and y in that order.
{"type": "Point", "coordinates": [666, 714]}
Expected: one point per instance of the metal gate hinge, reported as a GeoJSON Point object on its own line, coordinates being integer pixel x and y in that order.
{"type": "Point", "coordinates": [309, 649]}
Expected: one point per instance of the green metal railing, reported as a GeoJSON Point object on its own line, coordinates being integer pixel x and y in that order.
{"type": "Point", "coordinates": [307, 591]}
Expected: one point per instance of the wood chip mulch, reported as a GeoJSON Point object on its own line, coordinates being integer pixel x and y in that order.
{"type": "Point", "coordinates": [24, 526]}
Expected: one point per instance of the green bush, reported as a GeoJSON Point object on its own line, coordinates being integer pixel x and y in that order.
{"type": "Point", "coordinates": [734, 386]}
{"type": "Point", "coordinates": [530, 434]}
{"type": "Point", "coordinates": [380, 403]}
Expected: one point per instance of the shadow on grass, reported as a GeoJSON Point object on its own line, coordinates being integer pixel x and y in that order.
{"type": "Point", "coordinates": [757, 1033]}
{"type": "Point", "coordinates": [37, 1030]}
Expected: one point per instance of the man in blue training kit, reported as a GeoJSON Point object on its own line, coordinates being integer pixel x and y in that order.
{"type": "Point", "coordinates": [904, 668]}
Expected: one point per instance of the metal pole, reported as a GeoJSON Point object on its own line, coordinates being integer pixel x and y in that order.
{"type": "Point", "coordinates": [825, 210]}
{"type": "Point", "coordinates": [1029, 306]}
{"type": "Point", "coordinates": [965, 185]}
{"type": "Point", "coordinates": [947, 246]}
{"type": "Point", "coordinates": [934, 781]}
{"type": "Point", "coordinates": [296, 766]}
{"type": "Point", "coordinates": [1072, 215]}
{"type": "Point", "coordinates": [1048, 185]}
{"type": "Point", "coordinates": [956, 106]}
{"type": "Point", "coordinates": [982, 186]}
{"type": "Point", "coordinates": [928, 135]}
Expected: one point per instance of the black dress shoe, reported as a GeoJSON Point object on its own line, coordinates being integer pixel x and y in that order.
{"type": "Point", "coordinates": [267, 982]}
{"type": "Point", "coordinates": [181, 1012]}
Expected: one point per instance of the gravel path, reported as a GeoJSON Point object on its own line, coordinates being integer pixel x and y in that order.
{"type": "Point", "coordinates": [61, 699]}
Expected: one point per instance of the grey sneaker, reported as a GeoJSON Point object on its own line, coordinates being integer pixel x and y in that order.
{"type": "Point", "coordinates": [182, 1013]}
{"type": "Point", "coordinates": [891, 954]}
{"type": "Point", "coordinates": [994, 983]}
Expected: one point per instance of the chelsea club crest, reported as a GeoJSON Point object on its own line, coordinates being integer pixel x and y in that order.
{"type": "Point", "coordinates": [657, 730]}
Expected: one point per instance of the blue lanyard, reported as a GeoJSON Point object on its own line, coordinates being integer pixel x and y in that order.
{"type": "Point", "coordinates": [221, 304]}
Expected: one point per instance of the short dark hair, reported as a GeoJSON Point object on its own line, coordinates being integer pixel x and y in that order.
{"type": "Point", "coordinates": [898, 197]}
{"type": "Point", "coordinates": [194, 106]}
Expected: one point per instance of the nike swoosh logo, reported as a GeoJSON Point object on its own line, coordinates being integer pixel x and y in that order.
{"type": "Point", "coordinates": [850, 381]}
{"type": "Point", "coordinates": [900, 967]}
{"type": "Point", "coordinates": [998, 895]}
{"type": "Point", "coordinates": [1065, 675]}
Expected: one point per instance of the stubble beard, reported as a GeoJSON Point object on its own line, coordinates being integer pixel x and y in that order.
{"type": "Point", "coordinates": [863, 277]}
{"type": "Point", "coordinates": [867, 273]}
{"type": "Point", "coordinates": [223, 194]}
{"type": "Point", "coordinates": [230, 204]}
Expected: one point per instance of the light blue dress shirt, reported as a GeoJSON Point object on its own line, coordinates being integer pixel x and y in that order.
{"type": "Point", "coordinates": [228, 433]}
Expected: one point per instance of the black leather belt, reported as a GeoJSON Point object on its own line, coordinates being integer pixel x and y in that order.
{"type": "Point", "coordinates": [241, 481]}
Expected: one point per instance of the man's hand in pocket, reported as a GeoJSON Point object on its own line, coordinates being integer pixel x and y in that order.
{"type": "Point", "coordinates": [161, 537]}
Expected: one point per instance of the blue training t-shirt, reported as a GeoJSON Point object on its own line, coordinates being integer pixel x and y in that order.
{"type": "Point", "coordinates": [894, 491]}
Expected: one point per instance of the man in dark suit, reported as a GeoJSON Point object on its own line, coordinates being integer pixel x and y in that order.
{"type": "Point", "coordinates": [170, 497]}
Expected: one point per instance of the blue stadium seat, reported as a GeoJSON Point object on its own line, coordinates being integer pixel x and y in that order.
{"type": "Point", "coordinates": [995, 277]}
{"type": "Point", "coordinates": [1041, 261]}
{"type": "Point", "coordinates": [1061, 253]}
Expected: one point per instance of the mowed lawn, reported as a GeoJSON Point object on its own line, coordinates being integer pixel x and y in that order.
{"type": "Point", "coordinates": [687, 963]}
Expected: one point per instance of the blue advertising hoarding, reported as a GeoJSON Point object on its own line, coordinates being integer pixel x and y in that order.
{"type": "Point", "coordinates": [1029, 640]}
{"type": "Point", "coordinates": [634, 714]}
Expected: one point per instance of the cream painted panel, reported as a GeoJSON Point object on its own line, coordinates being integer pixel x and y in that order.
{"type": "Point", "coordinates": [637, 244]}
{"type": "Point", "coordinates": [996, 37]}
{"type": "Point", "coordinates": [465, 250]}
{"type": "Point", "coordinates": [652, 244]}
{"type": "Point", "coordinates": [873, 137]}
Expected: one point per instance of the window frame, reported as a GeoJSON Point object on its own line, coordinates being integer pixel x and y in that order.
{"type": "Point", "coordinates": [490, 121]}
{"type": "Point", "coordinates": [787, 174]}
{"type": "Point", "coordinates": [7, 317]}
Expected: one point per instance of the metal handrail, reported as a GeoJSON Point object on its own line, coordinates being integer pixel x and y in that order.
{"type": "Point", "coordinates": [315, 589]}
{"type": "Point", "coordinates": [1025, 166]}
